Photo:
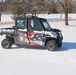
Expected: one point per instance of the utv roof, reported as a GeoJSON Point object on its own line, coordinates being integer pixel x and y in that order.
{"type": "Point", "coordinates": [28, 17]}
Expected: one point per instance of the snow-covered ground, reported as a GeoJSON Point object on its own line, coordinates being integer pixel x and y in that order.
{"type": "Point", "coordinates": [40, 61]}
{"type": "Point", "coordinates": [57, 16]}
{"type": "Point", "coordinates": [7, 17]}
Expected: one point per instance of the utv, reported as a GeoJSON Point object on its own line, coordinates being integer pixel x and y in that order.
{"type": "Point", "coordinates": [32, 31]}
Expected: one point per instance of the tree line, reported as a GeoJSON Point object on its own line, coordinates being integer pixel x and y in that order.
{"type": "Point", "coordinates": [36, 6]}
{"type": "Point", "coordinates": [23, 7]}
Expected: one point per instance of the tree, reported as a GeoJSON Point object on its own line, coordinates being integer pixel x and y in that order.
{"type": "Point", "coordinates": [66, 12]}
{"type": "Point", "coordinates": [23, 7]}
{"type": "Point", "coordinates": [1, 7]}
{"type": "Point", "coordinates": [19, 7]}
{"type": "Point", "coordinates": [27, 7]}
{"type": "Point", "coordinates": [67, 7]}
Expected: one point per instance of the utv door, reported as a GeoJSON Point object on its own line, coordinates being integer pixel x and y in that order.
{"type": "Point", "coordinates": [21, 31]}
{"type": "Point", "coordinates": [36, 35]}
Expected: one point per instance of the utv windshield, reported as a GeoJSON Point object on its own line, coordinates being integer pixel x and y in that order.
{"type": "Point", "coordinates": [46, 25]}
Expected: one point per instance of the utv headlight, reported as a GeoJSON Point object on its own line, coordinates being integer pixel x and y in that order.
{"type": "Point", "coordinates": [54, 35]}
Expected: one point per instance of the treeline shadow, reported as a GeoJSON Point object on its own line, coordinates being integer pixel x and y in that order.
{"type": "Point", "coordinates": [67, 46]}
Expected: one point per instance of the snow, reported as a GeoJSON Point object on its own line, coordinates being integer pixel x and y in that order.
{"type": "Point", "coordinates": [38, 60]}
{"type": "Point", "coordinates": [57, 16]}
{"type": "Point", "coordinates": [7, 17]}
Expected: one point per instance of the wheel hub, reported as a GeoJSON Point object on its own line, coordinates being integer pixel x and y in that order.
{"type": "Point", "coordinates": [6, 44]}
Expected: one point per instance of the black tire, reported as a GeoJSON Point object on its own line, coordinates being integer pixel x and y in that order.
{"type": "Point", "coordinates": [6, 43]}
{"type": "Point", "coordinates": [60, 44]}
{"type": "Point", "coordinates": [51, 45]}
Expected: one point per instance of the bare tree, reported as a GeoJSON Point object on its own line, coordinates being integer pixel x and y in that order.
{"type": "Point", "coordinates": [66, 5]}
{"type": "Point", "coordinates": [1, 8]}
{"type": "Point", "coordinates": [24, 7]}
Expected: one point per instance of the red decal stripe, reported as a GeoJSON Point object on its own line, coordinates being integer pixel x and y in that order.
{"type": "Point", "coordinates": [33, 43]}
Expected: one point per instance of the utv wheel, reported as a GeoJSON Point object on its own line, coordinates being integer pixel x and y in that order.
{"type": "Point", "coordinates": [6, 43]}
{"type": "Point", "coordinates": [51, 45]}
